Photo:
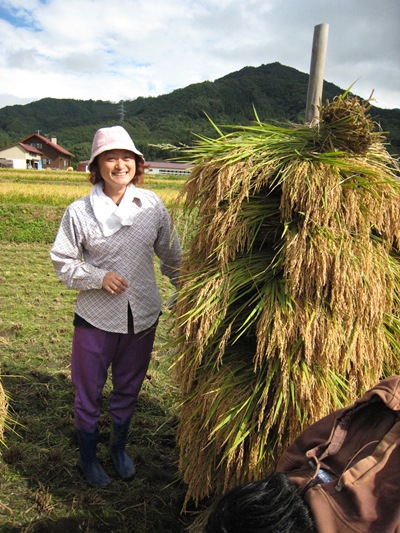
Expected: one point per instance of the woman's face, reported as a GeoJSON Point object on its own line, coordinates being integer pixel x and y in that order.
{"type": "Point", "coordinates": [117, 168]}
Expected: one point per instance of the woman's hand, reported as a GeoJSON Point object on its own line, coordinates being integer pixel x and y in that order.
{"type": "Point", "coordinates": [114, 283]}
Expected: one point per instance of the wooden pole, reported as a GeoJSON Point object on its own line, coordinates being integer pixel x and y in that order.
{"type": "Point", "coordinates": [316, 80]}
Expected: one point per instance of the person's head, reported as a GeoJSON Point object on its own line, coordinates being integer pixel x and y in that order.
{"type": "Point", "coordinates": [273, 505]}
{"type": "Point", "coordinates": [111, 144]}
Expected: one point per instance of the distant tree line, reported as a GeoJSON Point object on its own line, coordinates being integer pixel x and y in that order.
{"type": "Point", "coordinates": [275, 91]}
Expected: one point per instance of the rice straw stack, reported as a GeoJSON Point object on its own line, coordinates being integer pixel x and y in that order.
{"type": "Point", "coordinates": [290, 290]}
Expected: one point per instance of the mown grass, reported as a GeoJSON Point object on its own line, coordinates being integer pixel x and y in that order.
{"type": "Point", "coordinates": [40, 486]}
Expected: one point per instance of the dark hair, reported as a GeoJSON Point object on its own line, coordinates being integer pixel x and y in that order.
{"type": "Point", "coordinates": [273, 505]}
{"type": "Point", "coordinates": [95, 176]}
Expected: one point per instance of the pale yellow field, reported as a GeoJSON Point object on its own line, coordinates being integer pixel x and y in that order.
{"type": "Point", "coordinates": [62, 188]}
{"type": "Point", "coordinates": [39, 193]}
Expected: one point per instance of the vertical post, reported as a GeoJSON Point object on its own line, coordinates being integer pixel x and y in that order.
{"type": "Point", "coordinates": [316, 79]}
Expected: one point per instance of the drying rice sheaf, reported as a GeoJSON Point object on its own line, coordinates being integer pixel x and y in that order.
{"type": "Point", "coordinates": [3, 411]}
{"type": "Point", "coordinates": [290, 288]}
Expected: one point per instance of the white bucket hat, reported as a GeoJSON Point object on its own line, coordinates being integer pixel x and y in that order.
{"type": "Point", "coordinates": [113, 138]}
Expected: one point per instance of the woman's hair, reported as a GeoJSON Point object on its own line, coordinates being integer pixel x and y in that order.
{"type": "Point", "coordinates": [95, 176]}
{"type": "Point", "coordinates": [273, 505]}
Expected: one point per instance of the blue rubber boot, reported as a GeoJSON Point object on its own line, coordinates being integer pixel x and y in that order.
{"type": "Point", "coordinates": [122, 462]}
{"type": "Point", "coordinates": [88, 463]}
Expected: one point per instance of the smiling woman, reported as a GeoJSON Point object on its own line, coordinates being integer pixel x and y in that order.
{"type": "Point", "coordinates": [105, 248]}
{"type": "Point", "coordinates": [118, 170]}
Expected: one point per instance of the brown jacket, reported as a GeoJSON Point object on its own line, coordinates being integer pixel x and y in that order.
{"type": "Point", "coordinates": [359, 448]}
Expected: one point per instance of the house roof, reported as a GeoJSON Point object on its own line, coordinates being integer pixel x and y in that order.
{"type": "Point", "coordinates": [30, 148]}
{"type": "Point", "coordinates": [26, 147]}
{"type": "Point", "coordinates": [48, 141]}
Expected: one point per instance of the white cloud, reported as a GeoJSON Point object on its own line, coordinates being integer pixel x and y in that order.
{"type": "Point", "coordinates": [97, 49]}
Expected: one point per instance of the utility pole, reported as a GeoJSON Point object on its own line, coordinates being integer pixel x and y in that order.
{"type": "Point", "coordinates": [121, 111]}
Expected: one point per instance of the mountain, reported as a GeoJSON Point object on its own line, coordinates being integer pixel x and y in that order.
{"type": "Point", "coordinates": [275, 91]}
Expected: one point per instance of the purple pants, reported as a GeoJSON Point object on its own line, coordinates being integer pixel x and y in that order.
{"type": "Point", "coordinates": [93, 351]}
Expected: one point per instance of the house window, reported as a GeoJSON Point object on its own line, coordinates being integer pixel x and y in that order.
{"type": "Point", "coordinates": [37, 145]}
{"type": "Point", "coordinates": [47, 161]}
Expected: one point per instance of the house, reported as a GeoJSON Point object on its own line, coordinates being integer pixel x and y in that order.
{"type": "Point", "coordinates": [165, 167]}
{"type": "Point", "coordinates": [22, 155]}
{"type": "Point", "coordinates": [53, 155]}
{"type": "Point", "coordinates": [83, 166]}
{"type": "Point", "coordinates": [153, 167]}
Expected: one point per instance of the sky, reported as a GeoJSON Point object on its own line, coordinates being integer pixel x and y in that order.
{"type": "Point", "coordinates": [117, 50]}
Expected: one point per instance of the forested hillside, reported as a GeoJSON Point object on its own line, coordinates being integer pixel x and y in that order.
{"type": "Point", "coordinates": [275, 91]}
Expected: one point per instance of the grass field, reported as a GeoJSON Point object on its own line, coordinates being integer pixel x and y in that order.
{"type": "Point", "coordinates": [41, 489]}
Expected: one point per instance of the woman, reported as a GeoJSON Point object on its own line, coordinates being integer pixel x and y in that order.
{"type": "Point", "coordinates": [105, 248]}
